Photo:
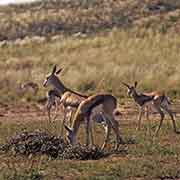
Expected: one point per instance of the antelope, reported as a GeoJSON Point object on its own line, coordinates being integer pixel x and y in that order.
{"type": "Point", "coordinates": [69, 98]}
{"type": "Point", "coordinates": [84, 110]}
{"type": "Point", "coordinates": [159, 101]}
{"type": "Point", "coordinates": [30, 86]}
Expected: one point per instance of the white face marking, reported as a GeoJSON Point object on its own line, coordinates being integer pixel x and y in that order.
{"type": "Point", "coordinates": [45, 82]}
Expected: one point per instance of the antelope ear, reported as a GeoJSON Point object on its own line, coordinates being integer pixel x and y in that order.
{"type": "Point", "coordinates": [57, 72]}
{"type": "Point", "coordinates": [54, 69]}
{"type": "Point", "coordinates": [67, 128]}
{"type": "Point", "coordinates": [135, 83]}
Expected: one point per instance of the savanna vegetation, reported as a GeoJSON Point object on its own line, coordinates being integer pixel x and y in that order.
{"type": "Point", "coordinates": [98, 44]}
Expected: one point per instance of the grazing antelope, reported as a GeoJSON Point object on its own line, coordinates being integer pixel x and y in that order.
{"type": "Point", "coordinates": [158, 100]}
{"type": "Point", "coordinates": [30, 86]}
{"type": "Point", "coordinates": [109, 105]}
{"type": "Point", "coordinates": [69, 98]}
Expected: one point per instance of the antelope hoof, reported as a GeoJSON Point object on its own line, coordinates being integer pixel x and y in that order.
{"type": "Point", "coordinates": [138, 129]}
{"type": "Point", "coordinates": [116, 147]}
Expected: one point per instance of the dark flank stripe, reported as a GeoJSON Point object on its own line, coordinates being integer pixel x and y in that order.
{"type": "Point", "coordinates": [144, 99]}
{"type": "Point", "coordinates": [97, 100]}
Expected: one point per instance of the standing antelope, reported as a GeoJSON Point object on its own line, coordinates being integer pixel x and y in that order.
{"type": "Point", "coordinates": [109, 105]}
{"type": "Point", "coordinates": [69, 98]}
{"type": "Point", "coordinates": [158, 100]}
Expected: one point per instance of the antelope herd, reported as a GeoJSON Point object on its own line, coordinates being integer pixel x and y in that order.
{"type": "Point", "coordinates": [83, 106]}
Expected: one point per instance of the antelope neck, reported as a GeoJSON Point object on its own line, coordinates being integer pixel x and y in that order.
{"type": "Point", "coordinates": [59, 86]}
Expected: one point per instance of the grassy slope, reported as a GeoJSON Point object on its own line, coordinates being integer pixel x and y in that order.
{"type": "Point", "coordinates": [104, 61]}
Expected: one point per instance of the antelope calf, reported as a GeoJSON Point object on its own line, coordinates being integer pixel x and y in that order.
{"type": "Point", "coordinates": [52, 101]}
{"type": "Point", "coordinates": [159, 101]}
{"type": "Point", "coordinates": [109, 105]}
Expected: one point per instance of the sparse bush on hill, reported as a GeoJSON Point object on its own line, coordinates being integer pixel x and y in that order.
{"type": "Point", "coordinates": [48, 18]}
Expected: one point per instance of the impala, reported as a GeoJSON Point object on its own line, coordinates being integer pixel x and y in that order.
{"type": "Point", "coordinates": [158, 100]}
{"type": "Point", "coordinates": [84, 111]}
{"type": "Point", "coordinates": [69, 98]}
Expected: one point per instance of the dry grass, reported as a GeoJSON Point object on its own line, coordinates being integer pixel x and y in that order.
{"type": "Point", "coordinates": [104, 61]}
{"type": "Point", "coordinates": [48, 18]}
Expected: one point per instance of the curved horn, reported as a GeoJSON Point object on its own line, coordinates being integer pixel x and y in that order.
{"type": "Point", "coordinates": [67, 128]}
{"type": "Point", "coordinates": [54, 69]}
{"type": "Point", "coordinates": [135, 83]}
{"type": "Point", "coordinates": [58, 71]}
{"type": "Point", "coordinates": [125, 84]}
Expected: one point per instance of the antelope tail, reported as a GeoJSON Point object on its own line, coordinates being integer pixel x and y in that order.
{"type": "Point", "coordinates": [117, 112]}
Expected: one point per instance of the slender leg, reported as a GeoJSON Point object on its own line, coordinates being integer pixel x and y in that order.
{"type": "Point", "coordinates": [115, 126]}
{"type": "Point", "coordinates": [91, 132]}
{"type": "Point", "coordinates": [48, 108]}
{"type": "Point", "coordinates": [147, 113]}
{"type": "Point", "coordinates": [172, 117]}
{"type": "Point", "coordinates": [139, 118]}
{"type": "Point", "coordinates": [161, 120]}
{"type": "Point", "coordinates": [49, 115]}
{"type": "Point", "coordinates": [147, 118]}
{"type": "Point", "coordinates": [70, 114]}
{"type": "Point", "coordinates": [119, 140]}
{"type": "Point", "coordinates": [64, 119]}
{"type": "Point", "coordinates": [56, 110]}
{"type": "Point", "coordinates": [87, 130]}
{"type": "Point", "coordinates": [107, 128]}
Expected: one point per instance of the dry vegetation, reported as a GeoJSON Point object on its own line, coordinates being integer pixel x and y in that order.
{"type": "Point", "coordinates": [48, 18]}
{"type": "Point", "coordinates": [104, 61]}
{"type": "Point", "coordinates": [141, 44]}
{"type": "Point", "coordinates": [98, 43]}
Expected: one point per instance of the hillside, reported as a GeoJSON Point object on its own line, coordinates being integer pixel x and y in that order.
{"type": "Point", "coordinates": [54, 17]}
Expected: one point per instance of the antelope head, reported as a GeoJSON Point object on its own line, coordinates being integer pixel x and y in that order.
{"type": "Point", "coordinates": [52, 78]}
{"type": "Point", "coordinates": [70, 135]}
{"type": "Point", "coordinates": [131, 90]}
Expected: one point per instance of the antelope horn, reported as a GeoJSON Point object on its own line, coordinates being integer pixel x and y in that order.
{"type": "Point", "coordinates": [67, 128]}
{"type": "Point", "coordinates": [125, 84]}
{"type": "Point", "coordinates": [58, 71]}
{"type": "Point", "coordinates": [54, 69]}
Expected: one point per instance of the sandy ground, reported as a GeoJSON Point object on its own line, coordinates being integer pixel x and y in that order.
{"type": "Point", "coordinates": [25, 111]}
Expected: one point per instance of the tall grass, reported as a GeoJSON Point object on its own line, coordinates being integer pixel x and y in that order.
{"type": "Point", "coordinates": [97, 63]}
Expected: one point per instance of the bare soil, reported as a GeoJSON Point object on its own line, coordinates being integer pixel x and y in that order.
{"type": "Point", "coordinates": [29, 111]}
